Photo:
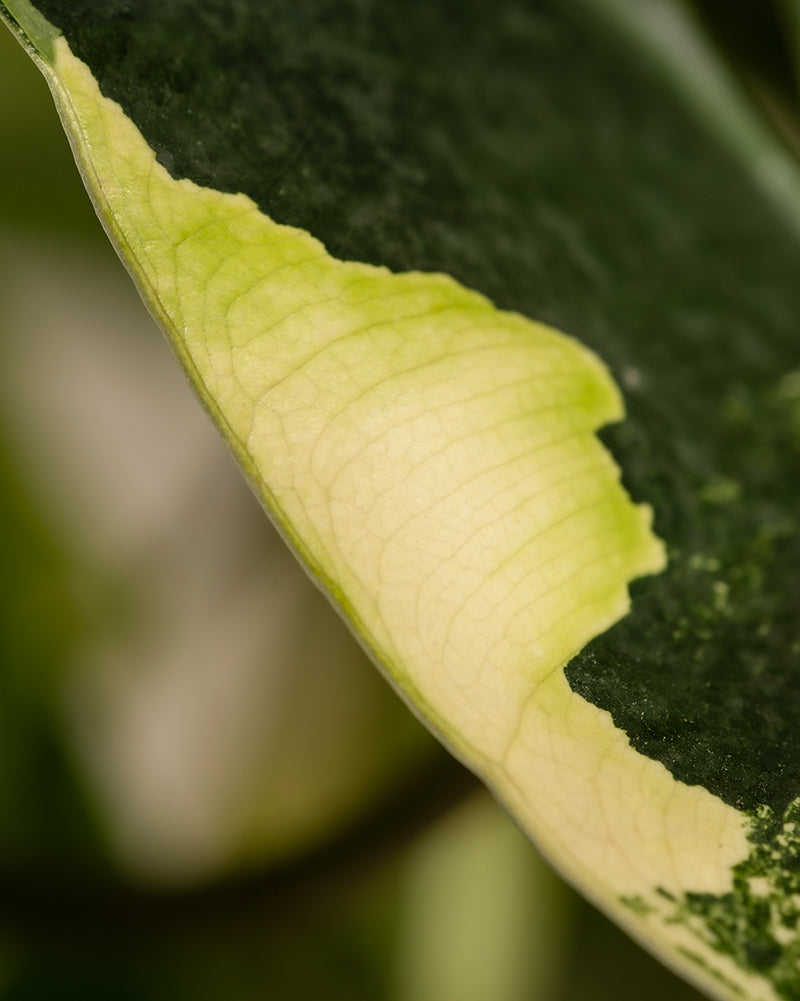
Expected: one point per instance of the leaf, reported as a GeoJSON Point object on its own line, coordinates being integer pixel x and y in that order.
{"type": "Point", "coordinates": [433, 459]}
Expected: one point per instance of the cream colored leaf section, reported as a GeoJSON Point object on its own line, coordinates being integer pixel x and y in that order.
{"type": "Point", "coordinates": [434, 462]}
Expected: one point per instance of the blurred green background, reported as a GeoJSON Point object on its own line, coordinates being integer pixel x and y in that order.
{"type": "Point", "coordinates": [206, 791]}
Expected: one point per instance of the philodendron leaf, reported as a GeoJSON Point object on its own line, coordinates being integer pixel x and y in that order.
{"type": "Point", "coordinates": [434, 458]}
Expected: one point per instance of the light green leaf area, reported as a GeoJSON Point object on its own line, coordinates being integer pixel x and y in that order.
{"type": "Point", "coordinates": [434, 462]}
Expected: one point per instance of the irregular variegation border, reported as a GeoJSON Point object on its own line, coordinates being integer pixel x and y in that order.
{"type": "Point", "coordinates": [434, 463]}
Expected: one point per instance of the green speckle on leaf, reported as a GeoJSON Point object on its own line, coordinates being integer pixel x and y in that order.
{"type": "Point", "coordinates": [701, 963]}
{"type": "Point", "coordinates": [638, 905]}
{"type": "Point", "coordinates": [721, 490]}
{"type": "Point", "coordinates": [757, 923]}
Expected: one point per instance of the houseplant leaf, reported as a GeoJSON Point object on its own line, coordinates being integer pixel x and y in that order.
{"type": "Point", "coordinates": [434, 459]}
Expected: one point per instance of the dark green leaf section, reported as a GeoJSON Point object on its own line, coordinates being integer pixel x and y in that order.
{"type": "Point", "coordinates": [715, 675]}
{"type": "Point", "coordinates": [757, 923]}
{"type": "Point", "coordinates": [519, 149]}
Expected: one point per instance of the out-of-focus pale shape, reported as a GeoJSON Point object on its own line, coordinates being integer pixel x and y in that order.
{"type": "Point", "coordinates": [216, 702]}
{"type": "Point", "coordinates": [484, 916]}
